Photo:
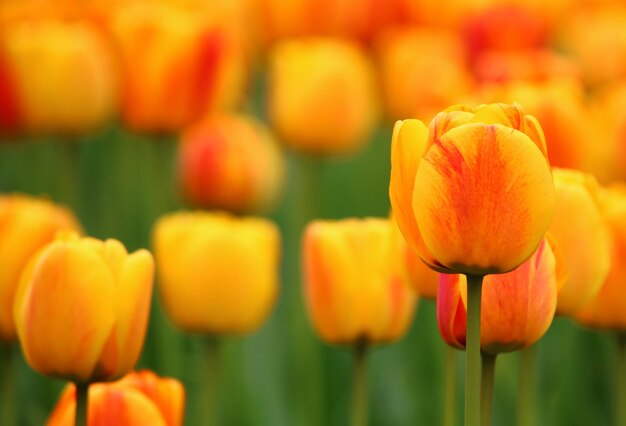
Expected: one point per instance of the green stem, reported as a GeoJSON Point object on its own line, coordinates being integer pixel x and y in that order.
{"type": "Point", "coordinates": [449, 402]}
{"type": "Point", "coordinates": [82, 390]}
{"type": "Point", "coordinates": [210, 381]}
{"type": "Point", "coordinates": [487, 382]}
{"type": "Point", "coordinates": [7, 386]}
{"type": "Point", "coordinates": [359, 386]}
{"type": "Point", "coordinates": [621, 379]}
{"type": "Point", "coordinates": [526, 404]}
{"type": "Point", "coordinates": [472, 351]}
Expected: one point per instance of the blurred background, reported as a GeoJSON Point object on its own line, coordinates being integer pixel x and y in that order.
{"type": "Point", "coordinates": [105, 107]}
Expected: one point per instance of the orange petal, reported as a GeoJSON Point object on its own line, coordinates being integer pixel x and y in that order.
{"type": "Point", "coordinates": [484, 198]}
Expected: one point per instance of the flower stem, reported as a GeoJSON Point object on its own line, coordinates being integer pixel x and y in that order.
{"type": "Point", "coordinates": [82, 391]}
{"type": "Point", "coordinates": [621, 379]}
{"type": "Point", "coordinates": [359, 386]}
{"type": "Point", "coordinates": [210, 376]}
{"type": "Point", "coordinates": [487, 383]}
{"type": "Point", "coordinates": [449, 401]}
{"type": "Point", "coordinates": [526, 406]}
{"type": "Point", "coordinates": [472, 351]}
{"type": "Point", "coordinates": [7, 388]}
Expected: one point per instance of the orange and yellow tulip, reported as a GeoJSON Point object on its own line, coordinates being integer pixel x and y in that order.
{"type": "Point", "coordinates": [230, 162]}
{"type": "Point", "coordinates": [582, 235]}
{"type": "Point", "coordinates": [28, 224]}
{"type": "Point", "coordinates": [53, 62]}
{"type": "Point", "coordinates": [517, 307]}
{"type": "Point", "coordinates": [322, 95]}
{"type": "Point", "coordinates": [139, 398]}
{"type": "Point", "coordinates": [180, 61]}
{"type": "Point", "coordinates": [608, 309]}
{"type": "Point", "coordinates": [472, 194]}
{"type": "Point", "coordinates": [82, 308]}
{"type": "Point", "coordinates": [216, 273]}
{"type": "Point", "coordinates": [354, 281]}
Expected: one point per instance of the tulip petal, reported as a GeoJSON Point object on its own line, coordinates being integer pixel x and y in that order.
{"type": "Point", "coordinates": [65, 310]}
{"type": "Point", "coordinates": [484, 198]}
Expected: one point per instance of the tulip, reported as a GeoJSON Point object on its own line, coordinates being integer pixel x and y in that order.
{"type": "Point", "coordinates": [52, 62]}
{"type": "Point", "coordinates": [583, 236]}
{"type": "Point", "coordinates": [10, 113]}
{"type": "Point", "coordinates": [217, 274]}
{"type": "Point", "coordinates": [322, 95]}
{"type": "Point", "coordinates": [81, 308]}
{"type": "Point", "coordinates": [28, 224]}
{"type": "Point", "coordinates": [483, 197]}
{"type": "Point", "coordinates": [139, 398]}
{"type": "Point", "coordinates": [178, 63]}
{"type": "Point", "coordinates": [230, 162]}
{"type": "Point", "coordinates": [518, 306]}
{"type": "Point", "coordinates": [355, 289]}
{"type": "Point", "coordinates": [407, 58]}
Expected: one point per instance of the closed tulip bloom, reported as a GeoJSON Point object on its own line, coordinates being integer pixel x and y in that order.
{"type": "Point", "coordinates": [27, 224]}
{"type": "Point", "coordinates": [355, 286]}
{"type": "Point", "coordinates": [54, 62]}
{"type": "Point", "coordinates": [82, 308]}
{"type": "Point", "coordinates": [583, 237]}
{"type": "Point", "coordinates": [607, 310]}
{"type": "Point", "coordinates": [517, 307]}
{"type": "Point", "coordinates": [230, 162]}
{"type": "Point", "coordinates": [179, 62]}
{"type": "Point", "coordinates": [140, 398]}
{"type": "Point", "coordinates": [322, 95]}
{"type": "Point", "coordinates": [217, 273]}
{"type": "Point", "coordinates": [472, 194]}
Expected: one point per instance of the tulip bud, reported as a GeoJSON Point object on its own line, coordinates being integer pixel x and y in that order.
{"type": "Point", "coordinates": [230, 162]}
{"type": "Point", "coordinates": [472, 194]}
{"type": "Point", "coordinates": [322, 95]}
{"type": "Point", "coordinates": [217, 273]}
{"type": "Point", "coordinates": [139, 398]}
{"type": "Point", "coordinates": [178, 63]}
{"type": "Point", "coordinates": [27, 224]}
{"type": "Point", "coordinates": [517, 307]}
{"type": "Point", "coordinates": [607, 310]}
{"type": "Point", "coordinates": [583, 237]}
{"type": "Point", "coordinates": [82, 308]}
{"type": "Point", "coordinates": [355, 284]}
{"type": "Point", "coordinates": [54, 63]}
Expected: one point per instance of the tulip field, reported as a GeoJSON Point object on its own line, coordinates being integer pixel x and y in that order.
{"type": "Point", "coordinates": [277, 213]}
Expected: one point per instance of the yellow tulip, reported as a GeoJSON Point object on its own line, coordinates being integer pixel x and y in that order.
{"type": "Point", "coordinates": [216, 273]}
{"type": "Point", "coordinates": [64, 72]}
{"type": "Point", "coordinates": [322, 95]}
{"type": "Point", "coordinates": [82, 308]}
{"type": "Point", "coordinates": [28, 224]}
{"type": "Point", "coordinates": [472, 194]}
{"type": "Point", "coordinates": [583, 237]}
{"type": "Point", "coordinates": [139, 398]}
{"type": "Point", "coordinates": [355, 284]}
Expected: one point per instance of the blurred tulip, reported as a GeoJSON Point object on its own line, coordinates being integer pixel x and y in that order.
{"type": "Point", "coordinates": [52, 63]}
{"type": "Point", "coordinates": [82, 307]}
{"type": "Point", "coordinates": [10, 112]}
{"type": "Point", "coordinates": [517, 307]}
{"type": "Point", "coordinates": [559, 105]}
{"type": "Point", "coordinates": [335, 18]}
{"type": "Point", "coordinates": [217, 273]}
{"type": "Point", "coordinates": [407, 58]}
{"type": "Point", "coordinates": [140, 398]}
{"type": "Point", "coordinates": [482, 199]}
{"type": "Point", "coordinates": [583, 237]}
{"type": "Point", "coordinates": [27, 224]}
{"type": "Point", "coordinates": [322, 95]}
{"type": "Point", "coordinates": [179, 62]}
{"type": "Point", "coordinates": [354, 282]}
{"type": "Point", "coordinates": [230, 162]}
{"type": "Point", "coordinates": [608, 309]}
